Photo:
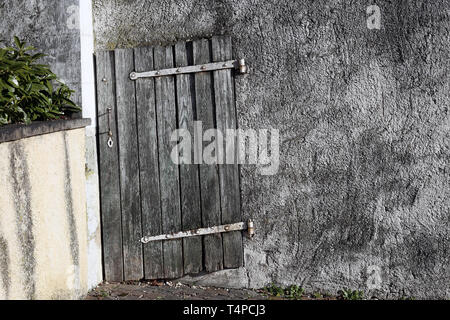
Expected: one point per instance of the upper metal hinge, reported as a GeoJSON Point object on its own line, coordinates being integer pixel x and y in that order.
{"type": "Point", "coordinates": [230, 64]}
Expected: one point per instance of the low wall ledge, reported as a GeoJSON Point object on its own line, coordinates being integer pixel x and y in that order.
{"type": "Point", "coordinates": [14, 132]}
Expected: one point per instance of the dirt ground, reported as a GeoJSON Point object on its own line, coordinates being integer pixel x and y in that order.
{"type": "Point", "coordinates": [160, 290]}
{"type": "Point", "coordinates": [154, 290]}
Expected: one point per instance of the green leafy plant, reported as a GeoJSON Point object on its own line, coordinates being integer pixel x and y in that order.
{"type": "Point", "coordinates": [274, 290]}
{"type": "Point", "coordinates": [30, 91]}
{"type": "Point", "coordinates": [291, 292]}
{"type": "Point", "coordinates": [348, 294]}
{"type": "Point", "coordinates": [317, 295]}
{"type": "Point", "coordinates": [294, 292]}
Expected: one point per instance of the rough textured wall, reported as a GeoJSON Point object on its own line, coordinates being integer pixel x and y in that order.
{"type": "Point", "coordinates": [361, 199]}
{"type": "Point", "coordinates": [43, 227]}
{"type": "Point", "coordinates": [52, 26]}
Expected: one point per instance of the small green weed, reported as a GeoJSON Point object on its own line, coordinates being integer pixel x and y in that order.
{"type": "Point", "coordinates": [294, 292]}
{"type": "Point", "coordinates": [348, 294]}
{"type": "Point", "coordinates": [317, 295]}
{"type": "Point", "coordinates": [274, 290]}
{"type": "Point", "coordinates": [291, 292]}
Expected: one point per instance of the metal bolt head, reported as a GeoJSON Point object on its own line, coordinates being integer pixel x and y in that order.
{"type": "Point", "coordinates": [104, 80]}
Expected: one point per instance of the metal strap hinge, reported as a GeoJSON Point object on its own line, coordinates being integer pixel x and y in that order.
{"type": "Point", "coordinates": [249, 226]}
{"type": "Point", "coordinates": [230, 64]}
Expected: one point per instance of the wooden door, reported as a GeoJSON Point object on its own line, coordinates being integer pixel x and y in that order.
{"type": "Point", "coordinates": [143, 192]}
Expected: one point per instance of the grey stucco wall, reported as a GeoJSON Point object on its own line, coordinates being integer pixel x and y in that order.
{"type": "Point", "coordinates": [53, 28]}
{"type": "Point", "coordinates": [361, 199]}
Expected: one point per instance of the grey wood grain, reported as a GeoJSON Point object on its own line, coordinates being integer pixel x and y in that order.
{"type": "Point", "coordinates": [148, 164]}
{"type": "Point", "coordinates": [129, 165]}
{"type": "Point", "coordinates": [209, 175]}
{"type": "Point", "coordinates": [229, 173]}
{"type": "Point", "coordinates": [189, 176]}
{"type": "Point", "coordinates": [169, 180]}
{"type": "Point", "coordinates": [109, 169]}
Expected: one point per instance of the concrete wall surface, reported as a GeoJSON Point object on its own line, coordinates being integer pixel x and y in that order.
{"type": "Point", "coordinates": [362, 196]}
{"type": "Point", "coordinates": [43, 224]}
{"type": "Point", "coordinates": [54, 28]}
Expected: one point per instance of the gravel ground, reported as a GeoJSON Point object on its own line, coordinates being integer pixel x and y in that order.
{"type": "Point", "coordinates": [155, 290]}
{"type": "Point", "coordinates": [166, 290]}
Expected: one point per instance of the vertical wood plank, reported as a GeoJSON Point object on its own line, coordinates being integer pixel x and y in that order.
{"type": "Point", "coordinates": [229, 173]}
{"type": "Point", "coordinates": [189, 184]}
{"type": "Point", "coordinates": [148, 164]}
{"type": "Point", "coordinates": [209, 176]}
{"type": "Point", "coordinates": [129, 165]}
{"type": "Point", "coordinates": [168, 171]}
{"type": "Point", "coordinates": [109, 169]}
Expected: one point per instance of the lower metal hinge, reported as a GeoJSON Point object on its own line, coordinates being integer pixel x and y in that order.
{"type": "Point", "coordinates": [249, 227]}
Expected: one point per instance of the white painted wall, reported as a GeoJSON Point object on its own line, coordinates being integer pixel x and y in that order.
{"type": "Point", "coordinates": [95, 275]}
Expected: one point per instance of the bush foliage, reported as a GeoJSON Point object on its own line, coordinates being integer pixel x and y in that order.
{"type": "Point", "coordinates": [30, 91]}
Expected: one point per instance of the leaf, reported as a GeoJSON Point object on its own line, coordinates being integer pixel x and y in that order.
{"type": "Point", "coordinates": [30, 91]}
{"type": "Point", "coordinates": [17, 42]}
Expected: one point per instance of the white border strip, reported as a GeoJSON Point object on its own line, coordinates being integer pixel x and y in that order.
{"type": "Point", "coordinates": [87, 61]}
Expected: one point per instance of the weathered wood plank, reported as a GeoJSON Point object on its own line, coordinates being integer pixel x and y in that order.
{"type": "Point", "coordinates": [229, 173]}
{"type": "Point", "coordinates": [109, 168]}
{"type": "Point", "coordinates": [209, 176]}
{"type": "Point", "coordinates": [169, 180]}
{"type": "Point", "coordinates": [189, 176]}
{"type": "Point", "coordinates": [129, 165]}
{"type": "Point", "coordinates": [148, 164]}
